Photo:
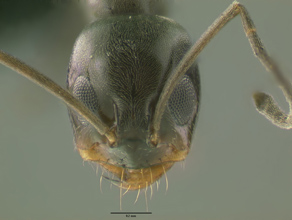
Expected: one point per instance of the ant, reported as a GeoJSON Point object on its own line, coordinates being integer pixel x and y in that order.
{"type": "Point", "coordinates": [263, 102]}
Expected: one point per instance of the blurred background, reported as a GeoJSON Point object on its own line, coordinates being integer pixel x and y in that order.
{"type": "Point", "coordinates": [239, 166]}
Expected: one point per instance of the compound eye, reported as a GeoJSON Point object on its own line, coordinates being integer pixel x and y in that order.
{"type": "Point", "coordinates": [84, 91]}
{"type": "Point", "coordinates": [182, 103]}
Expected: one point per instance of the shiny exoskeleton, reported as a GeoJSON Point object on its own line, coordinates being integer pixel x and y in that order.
{"type": "Point", "coordinates": [119, 66]}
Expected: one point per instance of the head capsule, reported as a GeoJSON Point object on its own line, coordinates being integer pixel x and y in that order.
{"type": "Point", "coordinates": [118, 68]}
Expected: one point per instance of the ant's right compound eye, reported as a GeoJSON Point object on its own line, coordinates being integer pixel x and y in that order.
{"type": "Point", "coordinates": [83, 90]}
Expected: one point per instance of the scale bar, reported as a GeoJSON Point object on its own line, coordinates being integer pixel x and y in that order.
{"type": "Point", "coordinates": [133, 213]}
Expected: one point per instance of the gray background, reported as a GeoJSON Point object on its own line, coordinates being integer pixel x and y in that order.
{"type": "Point", "coordinates": [239, 166]}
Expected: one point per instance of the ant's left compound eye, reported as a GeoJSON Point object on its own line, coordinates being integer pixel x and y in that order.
{"type": "Point", "coordinates": [182, 103]}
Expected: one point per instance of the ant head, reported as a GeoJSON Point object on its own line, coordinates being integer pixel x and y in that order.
{"type": "Point", "coordinates": [118, 69]}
